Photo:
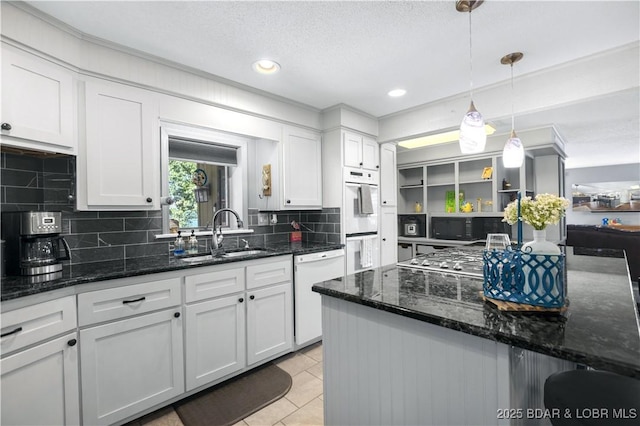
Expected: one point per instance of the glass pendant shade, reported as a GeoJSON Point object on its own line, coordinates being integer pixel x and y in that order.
{"type": "Point", "coordinates": [513, 153]}
{"type": "Point", "coordinates": [473, 137]}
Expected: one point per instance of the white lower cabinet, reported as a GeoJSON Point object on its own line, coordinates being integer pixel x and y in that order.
{"type": "Point", "coordinates": [39, 364]}
{"type": "Point", "coordinates": [40, 384]}
{"type": "Point", "coordinates": [215, 339]}
{"type": "Point", "coordinates": [131, 347]}
{"type": "Point", "coordinates": [249, 324]}
{"type": "Point", "coordinates": [131, 365]}
{"type": "Point", "coordinates": [269, 322]}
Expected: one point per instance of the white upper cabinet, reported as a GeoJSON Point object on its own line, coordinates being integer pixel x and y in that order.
{"type": "Point", "coordinates": [388, 176]}
{"type": "Point", "coordinates": [302, 169]}
{"type": "Point", "coordinates": [360, 151]}
{"type": "Point", "coordinates": [119, 150]}
{"type": "Point", "coordinates": [38, 106]}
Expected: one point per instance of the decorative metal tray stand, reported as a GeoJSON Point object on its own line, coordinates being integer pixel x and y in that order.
{"type": "Point", "coordinates": [524, 281]}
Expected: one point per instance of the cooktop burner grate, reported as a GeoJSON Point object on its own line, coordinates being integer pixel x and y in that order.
{"type": "Point", "coordinates": [464, 261]}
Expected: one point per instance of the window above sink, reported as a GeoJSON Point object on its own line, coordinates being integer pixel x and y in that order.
{"type": "Point", "coordinates": [201, 169]}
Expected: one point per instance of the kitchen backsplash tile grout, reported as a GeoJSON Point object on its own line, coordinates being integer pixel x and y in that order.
{"type": "Point", "coordinates": [35, 183]}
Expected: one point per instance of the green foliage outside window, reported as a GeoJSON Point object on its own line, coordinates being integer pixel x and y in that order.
{"type": "Point", "coordinates": [181, 187]}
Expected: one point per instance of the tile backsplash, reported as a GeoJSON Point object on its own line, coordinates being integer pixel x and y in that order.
{"type": "Point", "coordinates": [47, 183]}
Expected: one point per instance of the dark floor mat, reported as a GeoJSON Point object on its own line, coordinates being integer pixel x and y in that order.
{"type": "Point", "coordinates": [235, 399]}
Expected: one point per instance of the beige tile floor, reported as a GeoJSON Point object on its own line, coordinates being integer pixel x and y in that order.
{"type": "Point", "coordinates": [301, 406]}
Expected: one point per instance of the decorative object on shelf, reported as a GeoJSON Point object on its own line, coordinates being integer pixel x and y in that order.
{"type": "Point", "coordinates": [418, 207]}
{"type": "Point", "coordinates": [487, 172]}
{"type": "Point", "coordinates": [466, 207]}
{"type": "Point", "coordinates": [513, 153]}
{"type": "Point", "coordinates": [505, 185]}
{"type": "Point", "coordinates": [462, 203]}
{"type": "Point", "coordinates": [450, 202]}
{"type": "Point", "coordinates": [487, 206]}
{"type": "Point", "coordinates": [473, 137]}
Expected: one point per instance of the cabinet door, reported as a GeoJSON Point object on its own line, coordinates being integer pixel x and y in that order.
{"type": "Point", "coordinates": [389, 235]}
{"type": "Point", "coordinates": [37, 103]}
{"type": "Point", "coordinates": [119, 162]}
{"type": "Point", "coordinates": [388, 176]}
{"type": "Point", "coordinates": [269, 322]}
{"type": "Point", "coordinates": [370, 154]}
{"type": "Point", "coordinates": [215, 339]}
{"type": "Point", "coordinates": [302, 180]}
{"type": "Point", "coordinates": [352, 143]}
{"type": "Point", "coordinates": [40, 385]}
{"type": "Point", "coordinates": [131, 365]}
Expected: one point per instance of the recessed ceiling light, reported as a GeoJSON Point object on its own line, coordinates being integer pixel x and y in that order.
{"type": "Point", "coordinates": [266, 66]}
{"type": "Point", "coordinates": [397, 93]}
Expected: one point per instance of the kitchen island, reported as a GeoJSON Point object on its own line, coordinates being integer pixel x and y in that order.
{"type": "Point", "coordinates": [406, 346]}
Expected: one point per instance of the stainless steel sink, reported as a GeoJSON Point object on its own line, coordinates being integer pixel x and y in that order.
{"type": "Point", "coordinates": [232, 254]}
{"type": "Point", "coordinates": [243, 253]}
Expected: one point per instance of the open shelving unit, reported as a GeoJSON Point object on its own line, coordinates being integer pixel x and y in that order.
{"type": "Point", "coordinates": [430, 183]}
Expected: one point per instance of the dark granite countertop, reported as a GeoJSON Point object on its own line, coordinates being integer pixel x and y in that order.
{"type": "Point", "coordinates": [14, 287]}
{"type": "Point", "coordinates": [599, 329]}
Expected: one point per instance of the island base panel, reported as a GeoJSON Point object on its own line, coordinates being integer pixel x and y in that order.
{"type": "Point", "coordinates": [382, 368]}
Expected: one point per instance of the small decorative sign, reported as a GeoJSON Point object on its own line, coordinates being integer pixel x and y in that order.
{"type": "Point", "coordinates": [266, 180]}
{"type": "Point", "coordinates": [487, 172]}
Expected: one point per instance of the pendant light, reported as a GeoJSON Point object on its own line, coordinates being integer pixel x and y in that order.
{"type": "Point", "coordinates": [513, 153]}
{"type": "Point", "coordinates": [472, 134]}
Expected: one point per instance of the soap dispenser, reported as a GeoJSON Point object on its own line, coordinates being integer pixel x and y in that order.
{"type": "Point", "coordinates": [178, 249]}
{"type": "Point", "coordinates": [193, 243]}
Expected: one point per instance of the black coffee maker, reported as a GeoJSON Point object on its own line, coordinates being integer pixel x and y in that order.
{"type": "Point", "coordinates": [33, 243]}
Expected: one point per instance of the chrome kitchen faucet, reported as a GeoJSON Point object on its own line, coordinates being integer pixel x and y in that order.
{"type": "Point", "coordinates": [217, 250]}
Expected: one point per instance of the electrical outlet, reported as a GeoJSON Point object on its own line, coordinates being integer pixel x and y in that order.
{"type": "Point", "coordinates": [263, 219]}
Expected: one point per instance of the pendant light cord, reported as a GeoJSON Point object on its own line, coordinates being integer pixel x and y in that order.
{"type": "Point", "coordinates": [470, 60]}
{"type": "Point", "coordinates": [512, 101]}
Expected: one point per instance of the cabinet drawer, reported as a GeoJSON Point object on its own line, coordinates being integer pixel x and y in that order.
{"type": "Point", "coordinates": [269, 273]}
{"type": "Point", "coordinates": [121, 302]}
{"type": "Point", "coordinates": [32, 324]}
{"type": "Point", "coordinates": [213, 283]}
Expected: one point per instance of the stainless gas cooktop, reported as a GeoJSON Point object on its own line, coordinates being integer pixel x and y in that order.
{"type": "Point", "coordinates": [464, 261]}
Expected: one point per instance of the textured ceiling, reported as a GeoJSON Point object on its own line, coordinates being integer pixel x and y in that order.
{"type": "Point", "coordinates": [353, 53]}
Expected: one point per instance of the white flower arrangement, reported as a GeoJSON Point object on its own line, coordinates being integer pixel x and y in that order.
{"type": "Point", "coordinates": [546, 209]}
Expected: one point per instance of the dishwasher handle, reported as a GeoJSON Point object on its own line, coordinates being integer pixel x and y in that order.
{"type": "Point", "coordinates": [314, 257]}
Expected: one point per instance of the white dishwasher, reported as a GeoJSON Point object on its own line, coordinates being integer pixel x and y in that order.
{"type": "Point", "coordinates": [310, 269]}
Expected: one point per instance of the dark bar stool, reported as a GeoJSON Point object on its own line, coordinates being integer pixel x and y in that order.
{"type": "Point", "coordinates": [590, 397]}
